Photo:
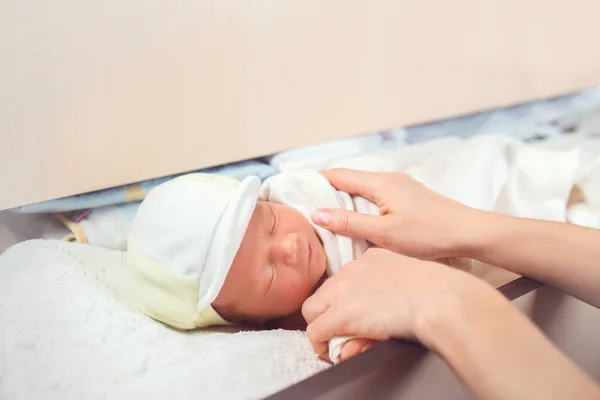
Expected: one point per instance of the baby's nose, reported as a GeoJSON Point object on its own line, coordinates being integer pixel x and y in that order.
{"type": "Point", "coordinates": [288, 248]}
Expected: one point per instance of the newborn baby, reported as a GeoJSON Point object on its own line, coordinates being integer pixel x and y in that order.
{"type": "Point", "coordinates": [274, 258]}
{"type": "Point", "coordinates": [207, 250]}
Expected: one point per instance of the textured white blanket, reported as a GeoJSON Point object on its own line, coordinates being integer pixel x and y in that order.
{"type": "Point", "coordinates": [65, 335]}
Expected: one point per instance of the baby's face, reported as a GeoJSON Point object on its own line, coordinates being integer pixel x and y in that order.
{"type": "Point", "coordinates": [277, 267]}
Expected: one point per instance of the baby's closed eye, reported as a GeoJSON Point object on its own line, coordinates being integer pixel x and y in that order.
{"type": "Point", "coordinates": [270, 274]}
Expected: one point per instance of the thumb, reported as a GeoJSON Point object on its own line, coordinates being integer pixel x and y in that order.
{"type": "Point", "coordinates": [349, 223]}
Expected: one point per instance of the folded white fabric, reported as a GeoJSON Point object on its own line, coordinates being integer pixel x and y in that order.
{"type": "Point", "coordinates": [487, 172]}
{"type": "Point", "coordinates": [182, 243]}
{"type": "Point", "coordinates": [585, 208]}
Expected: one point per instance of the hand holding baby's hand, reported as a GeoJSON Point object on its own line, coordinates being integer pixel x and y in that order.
{"type": "Point", "coordinates": [384, 295]}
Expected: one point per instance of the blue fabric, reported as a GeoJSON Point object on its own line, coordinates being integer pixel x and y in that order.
{"type": "Point", "coordinates": [529, 121]}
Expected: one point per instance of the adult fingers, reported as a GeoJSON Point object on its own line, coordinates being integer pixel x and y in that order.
{"type": "Point", "coordinates": [317, 304]}
{"type": "Point", "coordinates": [321, 349]}
{"type": "Point", "coordinates": [312, 309]}
{"type": "Point", "coordinates": [325, 326]}
{"type": "Point", "coordinates": [359, 183]}
{"type": "Point", "coordinates": [349, 223]}
{"type": "Point", "coordinates": [320, 331]}
{"type": "Point", "coordinates": [354, 347]}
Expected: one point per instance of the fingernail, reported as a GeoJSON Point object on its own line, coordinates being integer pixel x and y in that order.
{"type": "Point", "coordinates": [365, 348]}
{"type": "Point", "coordinates": [322, 217]}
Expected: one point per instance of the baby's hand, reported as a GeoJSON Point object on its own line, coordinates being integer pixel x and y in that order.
{"type": "Point", "coordinates": [356, 346]}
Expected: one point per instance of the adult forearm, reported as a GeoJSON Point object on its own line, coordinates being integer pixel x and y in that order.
{"type": "Point", "coordinates": [562, 255]}
{"type": "Point", "coordinates": [499, 354]}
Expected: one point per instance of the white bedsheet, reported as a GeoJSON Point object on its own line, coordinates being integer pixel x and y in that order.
{"type": "Point", "coordinates": [65, 335]}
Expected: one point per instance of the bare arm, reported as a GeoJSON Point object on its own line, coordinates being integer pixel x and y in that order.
{"type": "Point", "coordinates": [562, 255]}
{"type": "Point", "coordinates": [494, 349]}
{"type": "Point", "coordinates": [499, 354]}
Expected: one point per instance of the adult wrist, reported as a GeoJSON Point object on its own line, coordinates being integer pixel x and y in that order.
{"type": "Point", "coordinates": [480, 234]}
{"type": "Point", "coordinates": [445, 322]}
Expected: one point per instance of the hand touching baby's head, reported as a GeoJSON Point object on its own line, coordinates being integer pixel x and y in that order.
{"type": "Point", "coordinates": [278, 265]}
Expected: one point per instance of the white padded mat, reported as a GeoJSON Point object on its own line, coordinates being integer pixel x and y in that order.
{"type": "Point", "coordinates": [65, 335]}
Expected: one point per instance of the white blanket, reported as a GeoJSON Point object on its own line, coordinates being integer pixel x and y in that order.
{"type": "Point", "coordinates": [65, 335]}
{"type": "Point", "coordinates": [496, 173]}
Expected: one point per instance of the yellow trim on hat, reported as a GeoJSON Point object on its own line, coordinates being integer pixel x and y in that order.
{"type": "Point", "coordinates": [167, 296]}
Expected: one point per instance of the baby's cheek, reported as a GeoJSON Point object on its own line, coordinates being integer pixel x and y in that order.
{"type": "Point", "coordinates": [295, 290]}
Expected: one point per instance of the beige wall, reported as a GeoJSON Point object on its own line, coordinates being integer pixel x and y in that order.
{"type": "Point", "coordinates": [99, 93]}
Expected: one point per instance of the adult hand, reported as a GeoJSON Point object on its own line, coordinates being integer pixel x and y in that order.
{"type": "Point", "coordinates": [385, 295]}
{"type": "Point", "coordinates": [469, 324]}
{"type": "Point", "coordinates": [414, 220]}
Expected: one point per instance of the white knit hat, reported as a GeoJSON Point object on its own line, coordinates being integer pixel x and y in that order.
{"type": "Point", "coordinates": [182, 243]}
